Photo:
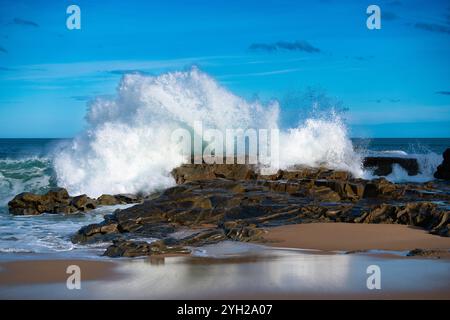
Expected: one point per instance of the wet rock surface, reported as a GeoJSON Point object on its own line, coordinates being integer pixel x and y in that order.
{"type": "Point", "coordinates": [58, 201]}
{"type": "Point", "coordinates": [121, 248]}
{"type": "Point", "coordinates": [429, 253]}
{"type": "Point", "coordinates": [443, 170]}
{"type": "Point", "coordinates": [383, 166]}
{"type": "Point", "coordinates": [216, 203]}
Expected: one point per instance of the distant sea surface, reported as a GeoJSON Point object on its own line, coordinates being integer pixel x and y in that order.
{"type": "Point", "coordinates": [403, 145]}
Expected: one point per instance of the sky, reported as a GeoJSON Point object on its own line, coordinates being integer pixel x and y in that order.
{"type": "Point", "coordinates": [391, 82]}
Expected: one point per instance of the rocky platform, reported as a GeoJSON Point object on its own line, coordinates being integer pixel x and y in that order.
{"type": "Point", "coordinates": [213, 203]}
{"type": "Point", "coordinates": [59, 201]}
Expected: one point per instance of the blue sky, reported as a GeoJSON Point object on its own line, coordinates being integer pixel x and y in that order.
{"type": "Point", "coordinates": [393, 82]}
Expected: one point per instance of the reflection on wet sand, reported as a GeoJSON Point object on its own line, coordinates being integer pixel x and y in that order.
{"type": "Point", "coordinates": [237, 270]}
{"type": "Point", "coordinates": [271, 273]}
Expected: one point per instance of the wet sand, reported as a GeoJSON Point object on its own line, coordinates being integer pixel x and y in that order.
{"type": "Point", "coordinates": [262, 273]}
{"type": "Point", "coordinates": [236, 270]}
{"type": "Point", "coordinates": [353, 237]}
{"type": "Point", "coordinates": [50, 271]}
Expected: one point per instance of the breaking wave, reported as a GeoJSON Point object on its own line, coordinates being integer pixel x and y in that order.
{"type": "Point", "coordinates": [127, 146]}
{"type": "Point", "coordinates": [33, 174]}
{"type": "Point", "coordinates": [428, 162]}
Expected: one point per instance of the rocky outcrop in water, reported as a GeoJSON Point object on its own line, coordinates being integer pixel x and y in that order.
{"type": "Point", "coordinates": [58, 201]}
{"type": "Point", "coordinates": [443, 170]}
{"type": "Point", "coordinates": [213, 203]}
{"type": "Point", "coordinates": [383, 166]}
{"type": "Point", "coordinates": [203, 210]}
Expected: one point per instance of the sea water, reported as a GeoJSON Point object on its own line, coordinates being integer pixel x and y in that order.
{"type": "Point", "coordinates": [25, 165]}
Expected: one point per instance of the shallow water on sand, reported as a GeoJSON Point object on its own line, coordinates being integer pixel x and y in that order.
{"type": "Point", "coordinates": [254, 271]}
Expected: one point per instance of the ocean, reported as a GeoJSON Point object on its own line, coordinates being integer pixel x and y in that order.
{"type": "Point", "coordinates": [28, 165]}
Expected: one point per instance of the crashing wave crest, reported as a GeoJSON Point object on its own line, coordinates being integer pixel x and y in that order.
{"type": "Point", "coordinates": [127, 145]}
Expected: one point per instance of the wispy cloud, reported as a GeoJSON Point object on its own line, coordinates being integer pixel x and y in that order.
{"type": "Point", "coordinates": [385, 100]}
{"type": "Point", "coordinates": [446, 93]}
{"type": "Point", "coordinates": [285, 45]}
{"type": "Point", "coordinates": [263, 46]}
{"type": "Point", "coordinates": [97, 69]}
{"type": "Point", "coordinates": [260, 74]}
{"type": "Point", "coordinates": [81, 98]}
{"type": "Point", "coordinates": [433, 27]}
{"type": "Point", "coordinates": [127, 71]}
{"type": "Point", "coordinates": [389, 16]}
{"type": "Point", "coordinates": [23, 22]}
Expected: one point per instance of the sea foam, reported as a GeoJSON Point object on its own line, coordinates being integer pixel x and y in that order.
{"type": "Point", "coordinates": [127, 145]}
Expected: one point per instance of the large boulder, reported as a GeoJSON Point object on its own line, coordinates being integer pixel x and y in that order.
{"type": "Point", "coordinates": [56, 200]}
{"type": "Point", "coordinates": [443, 170]}
{"type": "Point", "coordinates": [382, 166]}
{"type": "Point", "coordinates": [83, 203]}
{"type": "Point", "coordinates": [107, 200]}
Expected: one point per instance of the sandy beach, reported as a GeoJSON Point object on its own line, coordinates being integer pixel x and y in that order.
{"type": "Point", "coordinates": [352, 236]}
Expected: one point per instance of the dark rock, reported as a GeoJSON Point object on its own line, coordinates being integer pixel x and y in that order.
{"type": "Point", "coordinates": [121, 248]}
{"type": "Point", "coordinates": [324, 194]}
{"type": "Point", "coordinates": [426, 215]}
{"type": "Point", "coordinates": [83, 203]}
{"type": "Point", "coordinates": [107, 200]}
{"type": "Point", "coordinates": [58, 201]}
{"type": "Point", "coordinates": [382, 188]}
{"type": "Point", "coordinates": [32, 204]}
{"type": "Point", "coordinates": [204, 237]}
{"type": "Point", "coordinates": [193, 172]}
{"type": "Point", "coordinates": [429, 253]}
{"type": "Point", "coordinates": [65, 209]}
{"type": "Point", "coordinates": [245, 234]}
{"type": "Point", "coordinates": [384, 213]}
{"type": "Point", "coordinates": [442, 228]}
{"type": "Point", "coordinates": [443, 170]}
{"type": "Point", "coordinates": [58, 195]}
{"type": "Point", "coordinates": [383, 165]}
{"type": "Point", "coordinates": [128, 198]}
